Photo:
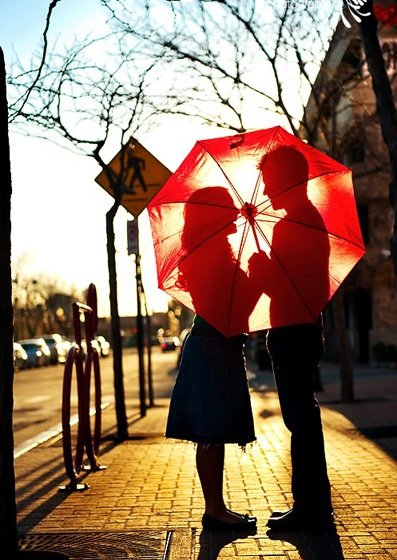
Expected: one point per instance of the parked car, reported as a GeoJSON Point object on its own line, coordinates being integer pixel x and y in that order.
{"type": "Point", "coordinates": [37, 351]}
{"type": "Point", "coordinates": [94, 344]}
{"type": "Point", "coordinates": [169, 343]}
{"type": "Point", "coordinates": [104, 346]}
{"type": "Point", "coordinates": [63, 348]}
{"type": "Point", "coordinates": [20, 357]}
{"type": "Point", "coordinates": [58, 346]}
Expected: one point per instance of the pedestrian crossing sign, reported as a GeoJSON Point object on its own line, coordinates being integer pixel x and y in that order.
{"type": "Point", "coordinates": [136, 174]}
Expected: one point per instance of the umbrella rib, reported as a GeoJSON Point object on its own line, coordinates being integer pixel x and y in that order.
{"type": "Point", "coordinates": [280, 264]}
{"type": "Point", "coordinates": [293, 284]}
{"type": "Point", "coordinates": [260, 167]}
{"type": "Point", "coordinates": [223, 173]}
{"type": "Point", "coordinates": [160, 241]}
{"type": "Point", "coordinates": [193, 249]}
{"type": "Point", "coordinates": [334, 279]}
{"type": "Point", "coordinates": [274, 253]}
{"type": "Point", "coordinates": [300, 183]}
{"type": "Point", "coordinates": [310, 226]}
{"type": "Point", "coordinates": [238, 260]}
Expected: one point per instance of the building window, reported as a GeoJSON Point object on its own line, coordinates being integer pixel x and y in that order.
{"type": "Point", "coordinates": [356, 151]}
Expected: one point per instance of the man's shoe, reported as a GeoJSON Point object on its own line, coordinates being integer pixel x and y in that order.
{"type": "Point", "coordinates": [279, 513]}
{"type": "Point", "coordinates": [211, 523]}
{"type": "Point", "coordinates": [292, 521]}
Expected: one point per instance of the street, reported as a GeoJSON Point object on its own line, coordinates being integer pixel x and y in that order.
{"type": "Point", "coordinates": [38, 393]}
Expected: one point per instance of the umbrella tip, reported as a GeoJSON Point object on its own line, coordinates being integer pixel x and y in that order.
{"type": "Point", "coordinates": [237, 141]}
{"type": "Point", "coordinates": [249, 211]}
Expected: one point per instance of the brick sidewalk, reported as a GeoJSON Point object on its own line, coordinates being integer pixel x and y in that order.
{"type": "Point", "coordinates": [148, 501]}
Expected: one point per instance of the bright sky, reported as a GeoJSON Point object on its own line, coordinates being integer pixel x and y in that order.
{"type": "Point", "coordinates": [58, 211]}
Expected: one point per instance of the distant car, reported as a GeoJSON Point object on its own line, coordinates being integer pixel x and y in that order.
{"type": "Point", "coordinates": [94, 344]}
{"type": "Point", "coordinates": [37, 351]}
{"type": "Point", "coordinates": [104, 346]}
{"type": "Point", "coordinates": [169, 343]}
{"type": "Point", "coordinates": [58, 347]}
{"type": "Point", "coordinates": [63, 348]}
{"type": "Point", "coordinates": [20, 357]}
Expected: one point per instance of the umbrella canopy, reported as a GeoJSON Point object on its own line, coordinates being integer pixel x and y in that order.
{"type": "Point", "coordinates": [255, 230]}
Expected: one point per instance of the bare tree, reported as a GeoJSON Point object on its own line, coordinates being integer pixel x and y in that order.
{"type": "Point", "coordinates": [234, 65]}
{"type": "Point", "coordinates": [248, 63]}
{"type": "Point", "coordinates": [241, 65]}
{"type": "Point", "coordinates": [385, 103]}
{"type": "Point", "coordinates": [88, 103]}
{"type": "Point", "coordinates": [42, 304]}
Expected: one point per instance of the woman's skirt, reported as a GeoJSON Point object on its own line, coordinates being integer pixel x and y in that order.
{"type": "Point", "coordinates": [210, 402]}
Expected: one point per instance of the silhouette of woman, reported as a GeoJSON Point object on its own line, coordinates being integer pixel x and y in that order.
{"type": "Point", "coordinates": [210, 403]}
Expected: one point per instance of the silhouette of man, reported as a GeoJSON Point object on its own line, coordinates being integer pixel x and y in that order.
{"type": "Point", "coordinates": [296, 349]}
{"type": "Point", "coordinates": [137, 164]}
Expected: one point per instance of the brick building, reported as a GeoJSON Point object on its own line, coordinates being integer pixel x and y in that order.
{"type": "Point", "coordinates": [350, 125]}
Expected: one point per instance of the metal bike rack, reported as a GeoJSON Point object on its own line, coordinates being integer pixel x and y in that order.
{"type": "Point", "coordinates": [86, 442]}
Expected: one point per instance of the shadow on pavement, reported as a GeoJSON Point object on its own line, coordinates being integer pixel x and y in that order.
{"type": "Point", "coordinates": [212, 542]}
{"type": "Point", "coordinates": [311, 546]}
{"type": "Point", "coordinates": [39, 487]}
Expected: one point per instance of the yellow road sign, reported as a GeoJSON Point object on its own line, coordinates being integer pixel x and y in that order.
{"type": "Point", "coordinates": [138, 175]}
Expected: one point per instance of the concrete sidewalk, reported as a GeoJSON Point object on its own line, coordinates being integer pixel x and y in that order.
{"type": "Point", "coordinates": [147, 503]}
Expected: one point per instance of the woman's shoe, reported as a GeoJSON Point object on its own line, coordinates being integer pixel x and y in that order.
{"type": "Point", "coordinates": [244, 516]}
{"type": "Point", "coordinates": [211, 523]}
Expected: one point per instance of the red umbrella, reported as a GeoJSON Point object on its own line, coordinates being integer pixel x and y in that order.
{"type": "Point", "coordinates": [255, 230]}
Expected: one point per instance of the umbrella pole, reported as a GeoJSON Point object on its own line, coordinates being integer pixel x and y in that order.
{"type": "Point", "coordinates": [251, 221]}
{"type": "Point", "coordinates": [249, 211]}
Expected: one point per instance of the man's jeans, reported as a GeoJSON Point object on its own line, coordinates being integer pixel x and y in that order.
{"type": "Point", "coordinates": [296, 352]}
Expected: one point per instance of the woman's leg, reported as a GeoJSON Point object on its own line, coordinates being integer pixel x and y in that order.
{"type": "Point", "coordinates": [210, 460]}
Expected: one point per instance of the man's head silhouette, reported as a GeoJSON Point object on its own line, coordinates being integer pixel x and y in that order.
{"type": "Point", "coordinates": [282, 169]}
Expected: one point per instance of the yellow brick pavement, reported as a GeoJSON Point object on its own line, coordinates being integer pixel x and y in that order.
{"type": "Point", "coordinates": [150, 483]}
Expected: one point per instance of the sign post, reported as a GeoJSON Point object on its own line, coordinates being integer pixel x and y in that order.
{"type": "Point", "coordinates": [133, 248]}
{"type": "Point", "coordinates": [138, 174]}
{"type": "Point", "coordinates": [135, 175]}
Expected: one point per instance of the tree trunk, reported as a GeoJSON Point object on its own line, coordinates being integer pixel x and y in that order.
{"type": "Point", "coordinates": [385, 107]}
{"type": "Point", "coordinates": [8, 519]}
{"type": "Point", "coordinates": [122, 427]}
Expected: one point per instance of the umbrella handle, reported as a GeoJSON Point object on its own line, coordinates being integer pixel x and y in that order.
{"type": "Point", "coordinates": [252, 224]}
